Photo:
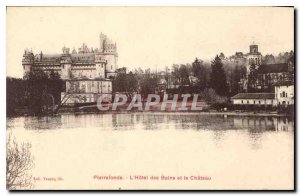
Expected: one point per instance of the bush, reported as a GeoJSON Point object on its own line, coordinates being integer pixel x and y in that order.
{"type": "Point", "coordinates": [213, 99]}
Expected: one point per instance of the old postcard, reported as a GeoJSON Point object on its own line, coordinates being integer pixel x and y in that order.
{"type": "Point", "coordinates": [150, 98]}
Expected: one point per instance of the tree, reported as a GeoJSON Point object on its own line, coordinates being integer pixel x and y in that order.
{"type": "Point", "coordinates": [222, 56]}
{"type": "Point", "coordinates": [19, 161]}
{"type": "Point", "coordinates": [213, 99]}
{"type": "Point", "coordinates": [148, 83]}
{"type": "Point", "coordinates": [15, 92]}
{"type": "Point", "coordinates": [132, 84]}
{"type": "Point", "coordinates": [42, 90]}
{"type": "Point", "coordinates": [184, 73]}
{"type": "Point", "coordinates": [269, 59]}
{"type": "Point", "coordinates": [218, 79]}
{"type": "Point", "coordinates": [55, 86]}
{"type": "Point", "coordinates": [175, 74]}
{"type": "Point", "coordinates": [236, 75]}
{"type": "Point", "coordinates": [252, 78]}
{"type": "Point", "coordinates": [167, 77]}
{"type": "Point", "coordinates": [36, 88]}
{"type": "Point", "coordinates": [200, 72]}
{"type": "Point", "coordinates": [126, 83]}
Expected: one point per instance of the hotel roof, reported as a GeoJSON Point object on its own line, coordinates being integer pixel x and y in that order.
{"type": "Point", "coordinates": [254, 96]}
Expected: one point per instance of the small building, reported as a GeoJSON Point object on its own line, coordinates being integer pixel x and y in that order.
{"type": "Point", "coordinates": [284, 93]}
{"type": "Point", "coordinates": [254, 99]}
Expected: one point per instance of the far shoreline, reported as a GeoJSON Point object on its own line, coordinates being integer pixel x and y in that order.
{"type": "Point", "coordinates": [79, 111]}
{"type": "Point", "coordinates": [228, 113]}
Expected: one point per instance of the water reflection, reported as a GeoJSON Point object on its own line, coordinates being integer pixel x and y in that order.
{"type": "Point", "coordinates": [159, 121]}
{"type": "Point", "coordinates": [254, 126]}
{"type": "Point", "coordinates": [162, 142]}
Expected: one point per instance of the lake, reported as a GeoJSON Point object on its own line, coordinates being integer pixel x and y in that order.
{"type": "Point", "coordinates": [158, 151]}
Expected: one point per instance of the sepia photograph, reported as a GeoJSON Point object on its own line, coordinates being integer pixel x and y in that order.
{"type": "Point", "coordinates": [150, 98]}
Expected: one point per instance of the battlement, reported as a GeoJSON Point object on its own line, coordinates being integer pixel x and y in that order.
{"type": "Point", "coordinates": [28, 57]}
{"type": "Point", "coordinates": [85, 62]}
{"type": "Point", "coordinates": [107, 45]}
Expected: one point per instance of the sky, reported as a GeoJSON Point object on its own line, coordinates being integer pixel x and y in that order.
{"type": "Point", "coordinates": [149, 37]}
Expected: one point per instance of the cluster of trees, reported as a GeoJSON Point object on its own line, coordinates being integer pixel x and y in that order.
{"type": "Point", "coordinates": [214, 81]}
{"type": "Point", "coordinates": [282, 57]}
{"type": "Point", "coordinates": [217, 81]}
{"type": "Point", "coordinates": [217, 75]}
{"type": "Point", "coordinates": [141, 81]}
{"type": "Point", "coordinates": [15, 93]}
{"type": "Point", "coordinates": [37, 92]}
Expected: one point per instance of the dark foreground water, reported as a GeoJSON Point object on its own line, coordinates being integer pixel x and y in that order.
{"type": "Point", "coordinates": [235, 152]}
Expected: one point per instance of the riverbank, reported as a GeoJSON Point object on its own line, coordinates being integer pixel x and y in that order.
{"type": "Point", "coordinates": [205, 110]}
{"type": "Point", "coordinates": [212, 112]}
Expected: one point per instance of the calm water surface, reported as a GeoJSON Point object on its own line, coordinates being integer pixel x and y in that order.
{"type": "Point", "coordinates": [237, 152]}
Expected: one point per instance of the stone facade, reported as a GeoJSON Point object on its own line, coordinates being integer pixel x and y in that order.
{"type": "Point", "coordinates": [86, 63]}
{"type": "Point", "coordinates": [86, 91]}
{"type": "Point", "coordinates": [284, 94]}
{"type": "Point", "coordinates": [86, 72]}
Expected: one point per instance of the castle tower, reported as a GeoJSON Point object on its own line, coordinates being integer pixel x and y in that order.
{"type": "Point", "coordinates": [27, 61]}
{"type": "Point", "coordinates": [253, 57]}
{"type": "Point", "coordinates": [109, 50]}
{"type": "Point", "coordinates": [102, 42]}
{"type": "Point", "coordinates": [66, 64]}
{"type": "Point", "coordinates": [100, 64]}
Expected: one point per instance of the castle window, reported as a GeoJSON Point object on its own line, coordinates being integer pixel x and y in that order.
{"type": "Point", "coordinates": [247, 101]}
{"type": "Point", "coordinates": [242, 101]}
{"type": "Point", "coordinates": [283, 94]}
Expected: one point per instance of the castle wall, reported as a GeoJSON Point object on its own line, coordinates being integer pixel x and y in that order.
{"type": "Point", "coordinates": [86, 63]}
{"type": "Point", "coordinates": [111, 62]}
{"type": "Point", "coordinates": [86, 91]}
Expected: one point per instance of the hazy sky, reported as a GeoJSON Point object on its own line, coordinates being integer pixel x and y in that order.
{"type": "Point", "coordinates": [152, 37]}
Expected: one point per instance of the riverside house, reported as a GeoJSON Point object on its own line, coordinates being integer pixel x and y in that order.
{"type": "Point", "coordinates": [254, 100]}
{"type": "Point", "coordinates": [283, 96]}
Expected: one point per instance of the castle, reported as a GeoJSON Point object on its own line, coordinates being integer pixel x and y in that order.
{"type": "Point", "coordinates": [87, 72]}
{"type": "Point", "coordinates": [86, 63]}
